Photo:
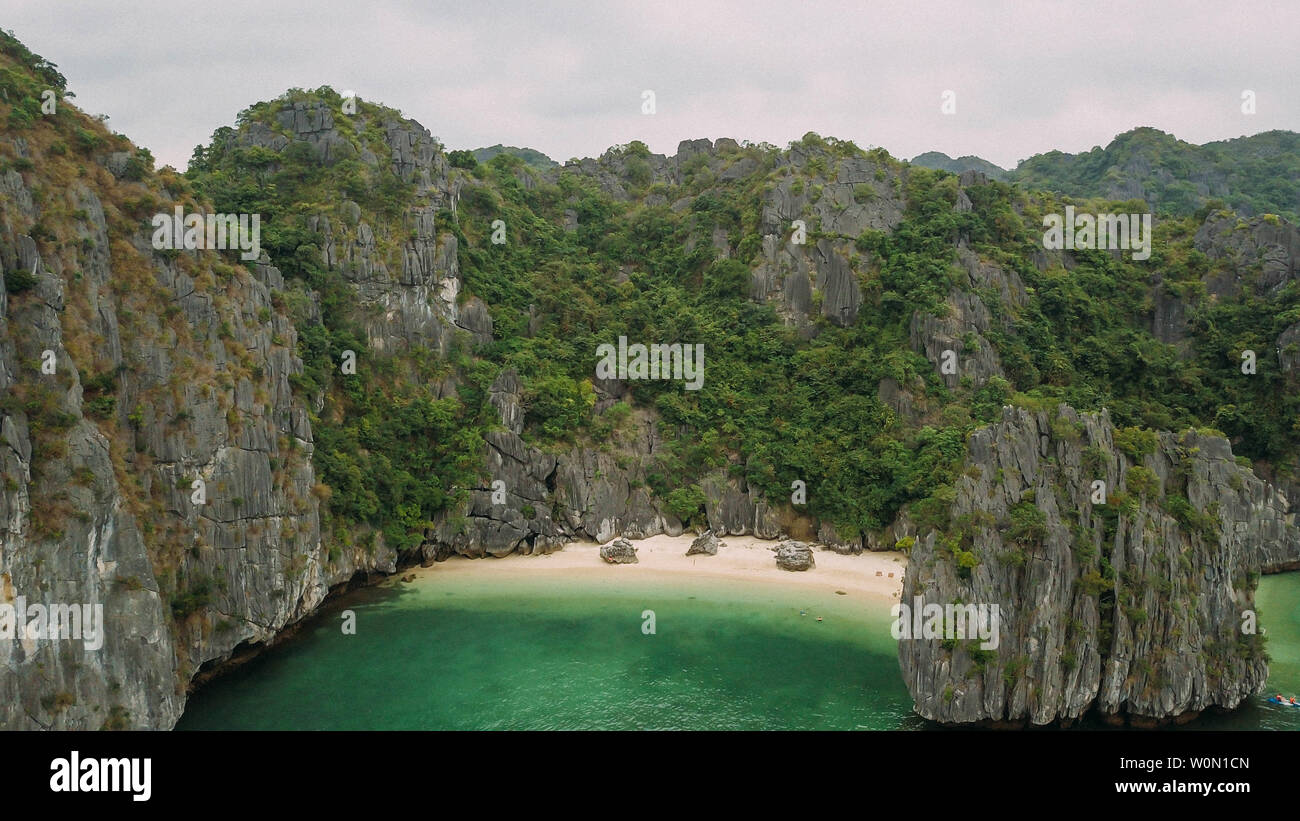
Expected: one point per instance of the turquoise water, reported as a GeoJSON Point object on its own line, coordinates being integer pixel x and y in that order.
{"type": "Point", "coordinates": [477, 652]}
{"type": "Point", "coordinates": [486, 652]}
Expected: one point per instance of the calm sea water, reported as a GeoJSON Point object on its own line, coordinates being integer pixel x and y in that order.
{"type": "Point", "coordinates": [470, 653]}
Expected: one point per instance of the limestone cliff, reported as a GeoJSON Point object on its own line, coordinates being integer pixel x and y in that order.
{"type": "Point", "coordinates": [165, 368]}
{"type": "Point", "coordinates": [1133, 608]}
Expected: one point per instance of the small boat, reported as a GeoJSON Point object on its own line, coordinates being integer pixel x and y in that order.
{"type": "Point", "coordinates": [1284, 702]}
{"type": "Point", "coordinates": [819, 618]}
{"type": "Point", "coordinates": [803, 612]}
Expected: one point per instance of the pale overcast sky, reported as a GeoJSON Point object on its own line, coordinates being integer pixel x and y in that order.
{"type": "Point", "coordinates": [567, 78]}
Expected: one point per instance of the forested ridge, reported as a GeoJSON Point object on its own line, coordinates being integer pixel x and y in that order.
{"type": "Point", "coordinates": [776, 406]}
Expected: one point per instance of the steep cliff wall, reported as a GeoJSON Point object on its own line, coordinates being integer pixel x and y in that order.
{"type": "Point", "coordinates": [1133, 608]}
{"type": "Point", "coordinates": [128, 374]}
{"type": "Point", "coordinates": [167, 368]}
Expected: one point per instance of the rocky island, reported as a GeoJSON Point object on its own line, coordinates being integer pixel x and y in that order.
{"type": "Point", "coordinates": [210, 445]}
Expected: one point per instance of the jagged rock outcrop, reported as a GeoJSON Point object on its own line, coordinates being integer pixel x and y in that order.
{"type": "Point", "coordinates": [734, 509]}
{"type": "Point", "coordinates": [857, 194]}
{"type": "Point", "coordinates": [830, 537]}
{"type": "Point", "coordinates": [705, 544]}
{"type": "Point", "coordinates": [964, 328]}
{"type": "Point", "coordinates": [1168, 316]}
{"type": "Point", "coordinates": [406, 269]}
{"type": "Point", "coordinates": [536, 501]}
{"type": "Point", "coordinates": [854, 194]}
{"type": "Point", "coordinates": [841, 295]}
{"type": "Point", "coordinates": [1004, 282]}
{"type": "Point", "coordinates": [619, 551]}
{"type": "Point", "coordinates": [513, 514]}
{"type": "Point", "coordinates": [783, 269]}
{"type": "Point", "coordinates": [619, 170]}
{"type": "Point", "coordinates": [959, 339]}
{"type": "Point", "coordinates": [1267, 246]}
{"type": "Point", "coordinates": [1133, 608]}
{"type": "Point", "coordinates": [796, 556]}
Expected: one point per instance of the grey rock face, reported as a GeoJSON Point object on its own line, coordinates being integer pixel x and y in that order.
{"type": "Point", "coordinates": [736, 510]}
{"type": "Point", "coordinates": [116, 163]}
{"type": "Point", "coordinates": [1152, 634]}
{"type": "Point", "coordinates": [505, 396]}
{"type": "Point", "coordinates": [313, 123]}
{"type": "Point", "coordinates": [835, 200]}
{"type": "Point", "coordinates": [908, 404]}
{"type": "Point", "coordinates": [831, 538]}
{"type": "Point", "coordinates": [796, 556]}
{"type": "Point", "coordinates": [619, 551]}
{"type": "Point", "coordinates": [784, 270]}
{"type": "Point", "coordinates": [619, 173]}
{"type": "Point", "coordinates": [414, 281]}
{"type": "Point", "coordinates": [181, 583]}
{"type": "Point", "coordinates": [841, 296]}
{"type": "Point", "coordinates": [706, 544]}
{"type": "Point", "coordinates": [475, 319]}
{"type": "Point", "coordinates": [550, 499]}
{"type": "Point", "coordinates": [856, 194]}
{"type": "Point", "coordinates": [1168, 318]}
{"type": "Point", "coordinates": [1270, 245]}
{"type": "Point", "coordinates": [961, 332]}
{"type": "Point", "coordinates": [1010, 289]}
{"type": "Point", "coordinates": [1288, 348]}
{"type": "Point", "coordinates": [514, 516]}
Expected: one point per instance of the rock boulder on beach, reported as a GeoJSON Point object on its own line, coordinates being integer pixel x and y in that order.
{"type": "Point", "coordinates": [792, 555]}
{"type": "Point", "coordinates": [619, 551]}
{"type": "Point", "coordinates": [706, 543]}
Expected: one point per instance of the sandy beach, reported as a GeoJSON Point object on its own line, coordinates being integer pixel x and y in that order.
{"type": "Point", "coordinates": [877, 576]}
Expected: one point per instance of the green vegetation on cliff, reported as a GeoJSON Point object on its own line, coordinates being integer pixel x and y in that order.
{"type": "Point", "coordinates": [1254, 175]}
{"type": "Point", "coordinates": [776, 406]}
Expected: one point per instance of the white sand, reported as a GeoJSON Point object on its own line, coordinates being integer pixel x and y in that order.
{"type": "Point", "coordinates": [876, 576]}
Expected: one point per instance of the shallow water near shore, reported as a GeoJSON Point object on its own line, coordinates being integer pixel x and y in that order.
{"type": "Point", "coordinates": [485, 652]}
{"type": "Point", "coordinates": [513, 651]}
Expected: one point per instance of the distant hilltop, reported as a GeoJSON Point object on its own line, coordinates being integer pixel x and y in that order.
{"type": "Point", "coordinates": [942, 162]}
{"type": "Point", "coordinates": [1254, 175]}
{"type": "Point", "coordinates": [530, 156]}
